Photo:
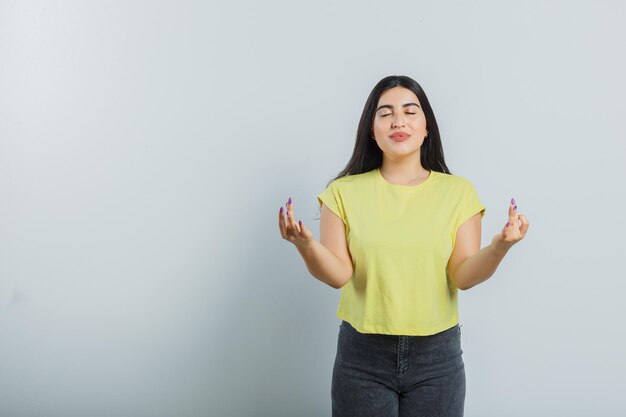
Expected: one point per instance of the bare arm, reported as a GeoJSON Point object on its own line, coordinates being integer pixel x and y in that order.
{"type": "Point", "coordinates": [324, 265]}
{"type": "Point", "coordinates": [328, 260]}
{"type": "Point", "coordinates": [469, 265]}
{"type": "Point", "coordinates": [479, 267]}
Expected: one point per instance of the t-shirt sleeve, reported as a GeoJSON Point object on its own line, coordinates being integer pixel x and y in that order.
{"type": "Point", "coordinates": [332, 198]}
{"type": "Point", "coordinates": [470, 205]}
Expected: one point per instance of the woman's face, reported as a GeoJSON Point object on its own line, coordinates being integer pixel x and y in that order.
{"type": "Point", "coordinates": [399, 110]}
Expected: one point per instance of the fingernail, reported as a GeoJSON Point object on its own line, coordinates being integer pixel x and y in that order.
{"type": "Point", "coordinates": [515, 208]}
{"type": "Point", "coordinates": [289, 202]}
{"type": "Point", "coordinates": [512, 200]}
{"type": "Point", "coordinates": [281, 209]}
{"type": "Point", "coordinates": [300, 222]}
{"type": "Point", "coordinates": [507, 224]}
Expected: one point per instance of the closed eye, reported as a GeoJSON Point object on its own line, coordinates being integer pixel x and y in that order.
{"type": "Point", "coordinates": [389, 114]}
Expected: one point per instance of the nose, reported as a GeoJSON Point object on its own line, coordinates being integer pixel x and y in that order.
{"type": "Point", "coordinates": [397, 121]}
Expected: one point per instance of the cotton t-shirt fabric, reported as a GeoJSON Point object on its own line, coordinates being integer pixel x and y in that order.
{"type": "Point", "coordinates": [400, 239]}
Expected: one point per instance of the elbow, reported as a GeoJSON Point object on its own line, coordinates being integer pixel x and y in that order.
{"type": "Point", "coordinates": [474, 282]}
{"type": "Point", "coordinates": [335, 285]}
{"type": "Point", "coordinates": [464, 286]}
{"type": "Point", "coordinates": [461, 286]}
{"type": "Point", "coordinates": [344, 281]}
{"type": "Point", "coordinates": [340, 284]}
{"type": "Point", "coordinates": [455, 283]}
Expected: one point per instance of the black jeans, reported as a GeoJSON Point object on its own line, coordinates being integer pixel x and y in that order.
{"type": "Point", "coordinates": [398, 376]}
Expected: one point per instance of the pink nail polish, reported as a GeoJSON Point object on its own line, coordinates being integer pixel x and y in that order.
{"type": "Point", "coordinates": [281, 209]}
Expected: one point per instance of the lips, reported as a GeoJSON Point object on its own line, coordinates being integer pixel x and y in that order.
{"type": "Point", "coordinates": [399, 136]}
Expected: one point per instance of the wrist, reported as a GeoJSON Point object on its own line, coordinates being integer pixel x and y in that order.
{"type": "Point", "coordinates": [499, 246]}
{"type": "Point", "coordinates": [303, 247]}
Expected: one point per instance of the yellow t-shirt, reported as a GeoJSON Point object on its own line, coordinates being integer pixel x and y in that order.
{"type": "Point", "coordinates": [400, 239]}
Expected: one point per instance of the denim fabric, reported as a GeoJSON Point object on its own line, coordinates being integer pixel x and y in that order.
{"type": "Point", "coordinates": [385, 375]}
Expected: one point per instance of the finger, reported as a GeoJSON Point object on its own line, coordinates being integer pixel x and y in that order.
{"type": "Point", "coordinates": [281, 222]}
{"type": "Point", "coordinates": [513, 214]}
{"type": "Point", "coordinates": [301, 227]}
{"type": "Point", "coordinates": [524, 226]}
{"type": "Point", "coordinates": [288, 223]}
{"type": "Point", "coordinates": [292, 219]}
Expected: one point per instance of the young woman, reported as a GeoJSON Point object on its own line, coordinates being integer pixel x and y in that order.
{"type": "Point", "coordinates": [399, 234]}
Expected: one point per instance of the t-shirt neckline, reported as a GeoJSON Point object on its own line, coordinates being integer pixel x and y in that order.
{"type": "Point", "coordinates": [404, 187]}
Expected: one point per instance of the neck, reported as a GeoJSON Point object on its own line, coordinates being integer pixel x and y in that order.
{"type": "Point", "coordinates": [403, 172]}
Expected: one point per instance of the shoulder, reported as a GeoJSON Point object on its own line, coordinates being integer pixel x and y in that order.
{"type": "Point", "coordinates": [454, 182]}
{"type": "Point", "coordinates": [352, 180]}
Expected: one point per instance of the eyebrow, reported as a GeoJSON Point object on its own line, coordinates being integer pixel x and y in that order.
{"type": "Point", "coordinates": [389, 106]}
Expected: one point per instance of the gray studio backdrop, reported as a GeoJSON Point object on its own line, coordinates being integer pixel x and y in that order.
{"type": "Point", "coordinates": [146, 148]}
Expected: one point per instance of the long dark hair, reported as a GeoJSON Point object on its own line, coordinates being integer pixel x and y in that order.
{"type": "Point", "coordinates": [367, 156]}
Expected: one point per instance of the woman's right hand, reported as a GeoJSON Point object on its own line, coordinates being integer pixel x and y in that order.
{"type": "Point", "coordinates": [294, 232]}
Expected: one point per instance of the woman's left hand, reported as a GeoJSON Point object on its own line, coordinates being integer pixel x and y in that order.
{"type": "Point", "coordinates": [513, 231]}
